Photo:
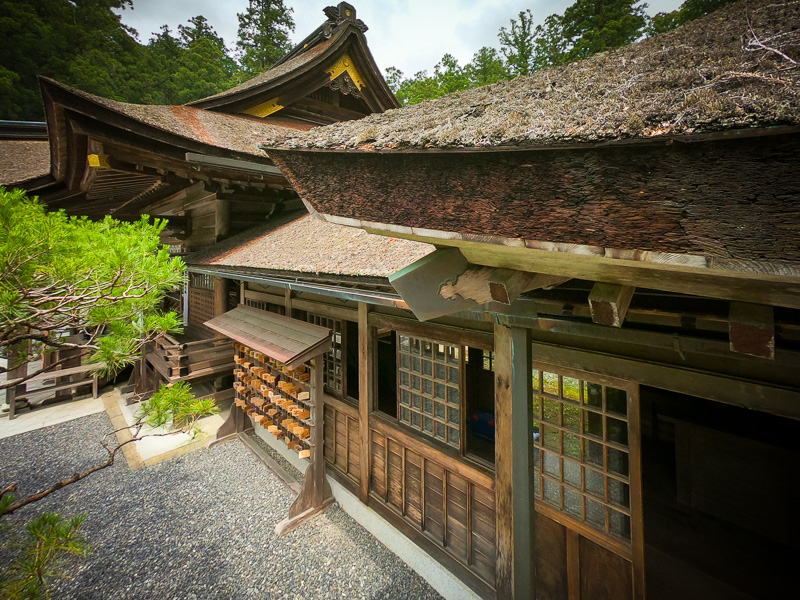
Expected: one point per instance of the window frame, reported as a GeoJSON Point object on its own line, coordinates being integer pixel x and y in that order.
{"type": "Point", "coordinates": [460, 385]}
{"type": "Point", "coordinates": [626, 548]}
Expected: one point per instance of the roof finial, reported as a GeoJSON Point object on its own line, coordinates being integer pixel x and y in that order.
{"type": "Point", "coordinates": [343, 13]}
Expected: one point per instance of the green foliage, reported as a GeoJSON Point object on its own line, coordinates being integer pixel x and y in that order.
{"type": "Point", "coordinates": [487, 67]}
{"type": "Point", "coordinates": [448, 76]}
{"type": "Point", "coordinates": [264, 29]}
{"type": "Point", "coordinates": [592, 26]}
{"type": "Point", "coordinates": [688, 11]}
{"type": "Point", "coordinates": [175, 405]}
{"type": "Point", "coordinates": [549, 44]}
{"type": "Point", "coordinates": [51, 541]}
{"type": "Point", "coordinates": [80, 43]}
{"type": "Point", "coordinates": [105, 277]}
{"type": "Point", "coordinates": [516, 43]}
{"type": "Point", "coordinates": [84, 44]}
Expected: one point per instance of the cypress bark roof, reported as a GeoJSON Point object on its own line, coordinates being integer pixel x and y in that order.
{"type": "Point", "coordinates": [300, 243]}
{"type": "Point", "coordinates": [230, 132]}
{"type": "Point", "coordinates": [735, 68]}
{"type": "Point", "coordinates": [21, 160]}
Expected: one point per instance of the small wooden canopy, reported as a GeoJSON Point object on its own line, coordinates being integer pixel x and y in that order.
{"type": "Point", "coordinates": [287, 340]}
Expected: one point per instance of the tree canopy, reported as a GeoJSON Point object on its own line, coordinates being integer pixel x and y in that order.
{"type": "Point", "coordinates": [85, 44]}
{"type": "Point", "coordinates": [61, 274]}
{"type": "Point", "coordinates": [585, 28]}
{"type": "Point", "coordinates": [264, 29]}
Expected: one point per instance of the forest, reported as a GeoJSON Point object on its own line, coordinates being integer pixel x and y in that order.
{"type": "Point", "coordinates": [83, 43]}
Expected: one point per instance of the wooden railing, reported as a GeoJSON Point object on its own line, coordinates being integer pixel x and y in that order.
{"type": "Point", "coordinates": [178, 360]}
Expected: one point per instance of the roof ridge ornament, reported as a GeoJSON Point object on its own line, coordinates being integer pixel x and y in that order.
{"type": "Point", "coordinates": [343, 13]}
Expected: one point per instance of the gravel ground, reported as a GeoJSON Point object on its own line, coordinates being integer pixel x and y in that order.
{"type": "Point", "coordinates": [198, 526]}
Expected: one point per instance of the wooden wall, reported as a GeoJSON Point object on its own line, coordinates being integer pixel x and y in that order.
{"type": "Point", "coordinates": [341, 439]}
{"type": "Point", "coordinates": [201, 305]}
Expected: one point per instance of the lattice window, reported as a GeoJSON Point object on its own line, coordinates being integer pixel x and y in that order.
{"type": "Point", "coordinates": [581, 458]}
{"type": "Point", "coordinates": [201, 282]}
{"type": "Point", "coordinates": [266, 306]}
{"type": "Point", "coordinates": [333, 367]}
{"type": "Point", "coordinates": [201, 306]}
{"type": "Point", "coordinates": [429, 386]}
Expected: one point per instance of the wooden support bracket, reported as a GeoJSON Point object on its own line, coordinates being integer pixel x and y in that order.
{"type": "Point", "coordinates": [609, 303]}
{"type": "Point", "coordinates": [488, 284]}
{"type": "Point", "coordinates": [751, 328]}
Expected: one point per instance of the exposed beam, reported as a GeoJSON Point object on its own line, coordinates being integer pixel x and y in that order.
{"type": "Point", "coordinates": [752, 329]}
{"type": "Point", "coordinates": [609, 303]}
{"type": "Point", "coordinates": [486, 284]}
{"type": "Point", "coordinates": [745, 281]}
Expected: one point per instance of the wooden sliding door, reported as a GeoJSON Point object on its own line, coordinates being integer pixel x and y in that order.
{"type": "Point", "coordinates": [587, 486]}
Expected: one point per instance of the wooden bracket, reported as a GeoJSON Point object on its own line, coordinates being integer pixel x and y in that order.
{"type": "Point", "coordinates": [751, 328]}
{"type": "Point", "coordinates": [444, 283]}
{"type": "Point", "coordinates": [609, 303]}
{"type": "Point", "coordinates": [488, 284]}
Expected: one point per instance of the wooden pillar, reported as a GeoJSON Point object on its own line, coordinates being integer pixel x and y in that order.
{"type": "Point", "coordinates": [315, 495]}
{"type": "Point", "coordinates": [514, 464]}
{"type": "Point", "coordinates": [17, 357]}
{"type": "Point", "coordinates": [220, 296]}
{"type": "Point", "coordinates": [287, 300]}
{"type": "Point", "coordinates": [222, 223]}
{"type": "Point", "coordinates": [366, 395]}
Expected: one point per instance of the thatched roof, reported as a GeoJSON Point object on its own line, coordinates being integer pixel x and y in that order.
{"type": "Point", "coordinates": [21, 160]}
{"type": "Point", "coordinates": [299, 243]}
{"type": "Point", "coordinates": [230, 132]}
{"type": "Point", "coordinates": [735, 68]}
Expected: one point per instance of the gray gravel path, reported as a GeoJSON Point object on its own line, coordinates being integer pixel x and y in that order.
{"type": "Point", "coordinates": [195, 527]}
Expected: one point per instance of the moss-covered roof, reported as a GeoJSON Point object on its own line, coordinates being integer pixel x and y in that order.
{"type": "Point", "coordinates": [735, 68]}
{"type": "Point", "coordinates": [299, 243]}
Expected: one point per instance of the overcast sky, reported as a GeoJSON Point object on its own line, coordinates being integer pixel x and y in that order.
{"type": "Point", "coordinates": [411, 35]}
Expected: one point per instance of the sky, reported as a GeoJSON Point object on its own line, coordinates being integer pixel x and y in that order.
{"type": "Point", "coordinates": [411, 35]}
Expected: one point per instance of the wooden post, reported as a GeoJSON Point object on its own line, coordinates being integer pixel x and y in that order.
{"type": "Point", "coordinates": [16, 356]}
{"type": "Point", "coordinates": [287, 299]}
{"type": "Point", "coordinates": [366, 395]}
{"type": "Point", "coordinates": [222, 223]}
{"type": "Point", "coordinates": [315, 495]}
{"type": "Point", "coordinates": [220, 297]}
{"type": "Point", "coordinates": [514, 498]}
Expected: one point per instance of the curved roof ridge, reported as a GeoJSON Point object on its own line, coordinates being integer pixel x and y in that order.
{"type": "Point", "coordinates": [238, 133]}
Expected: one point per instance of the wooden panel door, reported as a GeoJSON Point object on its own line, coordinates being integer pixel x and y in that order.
{"type": "Point", "coordinates": [587, 486]}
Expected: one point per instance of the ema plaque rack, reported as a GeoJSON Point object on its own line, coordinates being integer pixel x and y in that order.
{"type": "Point", "coordinates": [276, 397]}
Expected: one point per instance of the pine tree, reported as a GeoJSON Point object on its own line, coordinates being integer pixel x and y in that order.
{"type": "Point", "coordinates": [264, 30]}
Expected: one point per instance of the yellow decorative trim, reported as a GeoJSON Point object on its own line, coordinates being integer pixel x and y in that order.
{"type": "Point", "coordinates": [345, 64]}
{"type": "Point", "coordinates": [98, 161]}
{"type": "Point", "coordinates": [265, 109]}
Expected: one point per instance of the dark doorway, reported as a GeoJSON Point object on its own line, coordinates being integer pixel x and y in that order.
{"type": "Point", "coordinates": [720, 499]}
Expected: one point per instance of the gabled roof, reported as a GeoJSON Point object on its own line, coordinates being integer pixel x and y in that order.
{"type": "Point", "coordinates": [734, 68]}
{"type": "Point", "coordinates": [158, 137]}
{"type": "Point", "coordinates": [334, 55]}
{"type": "Point", "coordinates": [299, 243]}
